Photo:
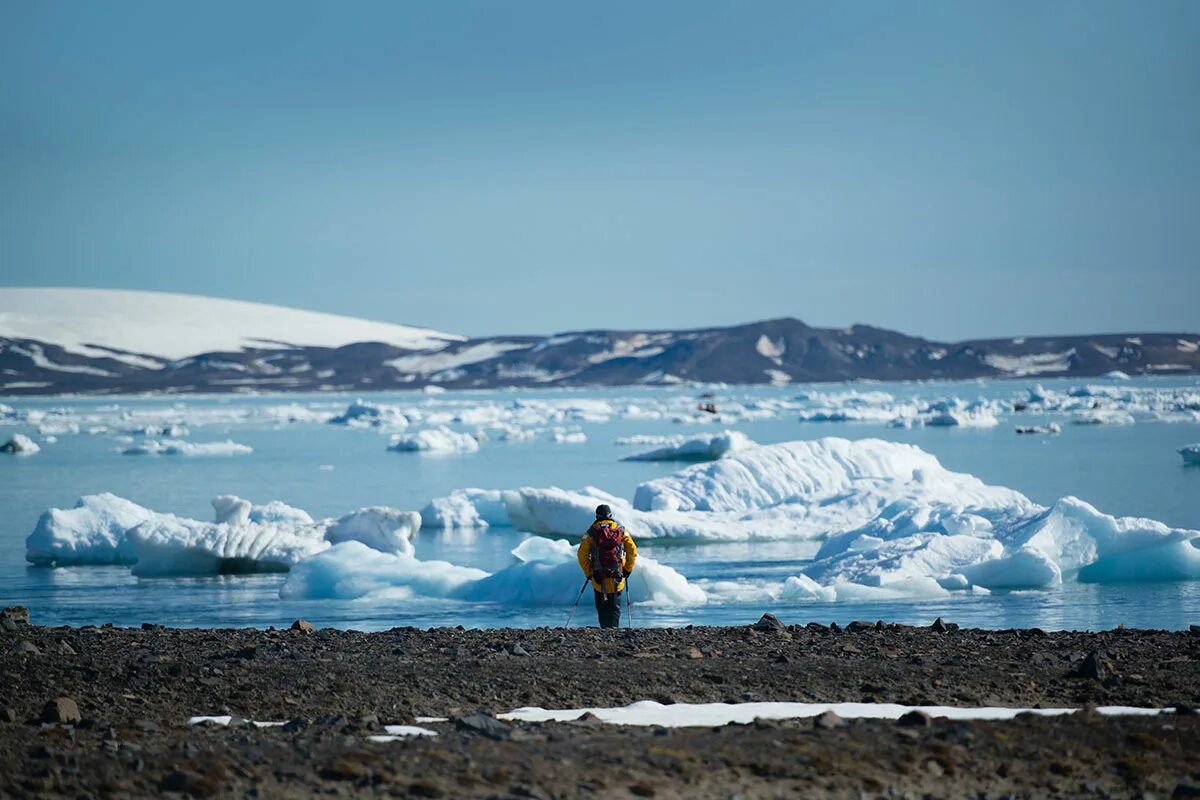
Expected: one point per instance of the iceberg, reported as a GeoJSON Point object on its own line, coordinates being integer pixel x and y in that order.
{"type": "Point", "coordinates": [702, 447]}
{"type": "Point", "coordinates": [436, 440]}
{"type": "Point", "coordinates": [92, 532]}
{"type": "Point", "coordinates": [544, 572]}
{"type": "Point", "coordinates": [20, 444]}
{"type": "Point", "coordinates": [1190, 453]}
{"type": "Point", "coordinates": [106, 529]}
{"type": "Point", "coordinates": [178, 447]}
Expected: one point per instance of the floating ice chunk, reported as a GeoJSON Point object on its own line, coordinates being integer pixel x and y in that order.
{"type": "Point", "coordinates": [20, 444]}
{"type": "Point", "coordinates": [168, 545]}
{"type": "Point", "coordinates": [1191, 453]}
{"type": "Point", "coordinates": [385, 529]}
{"type": "Point", "coordinates": [352, 570]}
{"type": "Point", "coordinates": [178, 447]}
{"type": "Point", "coordinates": [568, 437]}
{"type": "Point", "coordinates": [545, 573]}
{"type": "Point", "coordinates": [1104, 417]}
{"type": "Point", "coordinates": [1027, 568]}
{"type": "Point", "coordinates": [1116, 375]}
{"type": "Point", "coordinates": [1048, 429]}
{"type": "Point", "coordinates": [812, 473]}
{"type": "Point", "coordinates": [703, 447]}
{"type": "Point", "coordinates": [955, 414]}
{"type": "Point", "coordinates": [436, 440]}
{"type": "Point", "coordinates": [92, 532]}
{"type": "Point", "coordinates": [471, 508]}
{"type": "Point", "coordinates": [363, 414]}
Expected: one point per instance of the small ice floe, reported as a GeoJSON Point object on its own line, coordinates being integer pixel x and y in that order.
{"type": "Point", "coordinates": [1104, 417]}
{"type": "Point", "coordinates": [178, 447]}
{"type": "Point", "coordinates": [702, 447]}
{"type": "Point", "coordinates": [561, 436]}
{"type": "Point", "coordinates": [1191, 454]}
{"type": "Point", "coordinates": [1049, 428]}
{"type": "Point", "coordinates": [435, 440]}
{"type": "Point", "coordinates": [680, 715]}
{"type": "Point", "coordinates": [20, 445]}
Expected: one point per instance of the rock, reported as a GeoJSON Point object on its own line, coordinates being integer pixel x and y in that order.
{"type": "Point", "coordinates": [834, 627]}
{"type": "Point", "coordinates": [828, 721]}
{"type": "Point", "coordinates": [66, 649]}
{"type": "Point", "coordinates": [1093, 667]}
{"type": "Point", "coordinates": [63, 710]}
{"type": "Point", "coordinates": [915, 719]}
{"type": "Point", "coordinates": [20, 614]}
{"type": "Point", "coordinates": [1186, 790]}
{"type": "Point", "coordinates": [782, 658]}
{"type": "Point", "coordinates": [1184, 710]}
{"type": "Point", "coordinates": [304, 626]}
{"type": "Point", "coordinates": [938, 626]}
{"type": "Point", "coordinates": [295, 725]}
{"type": "Point", "coordinates": [8, 715]}
{"type": "Point", "coordinates": [487, 725]}
{"type": "Point", "coordinates": [518, 650]}
{"type": "Point", "coordinates": [27, 648]}
{"type": "Point", "coordinates": [147, 725]}
{"type": "Point", "coordinates": [817, 627]}
{"type": "Point", "coordinates": [695, 653]}
{"type": "Point", "coordinates": [857, 626]}
{"type": "Point", "coordinates": [769, 623]}
{"type": "Point", "coordinates": [1194, 629]}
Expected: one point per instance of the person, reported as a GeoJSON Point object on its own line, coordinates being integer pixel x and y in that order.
{"type": "Point", "coordinates": [606, 556]}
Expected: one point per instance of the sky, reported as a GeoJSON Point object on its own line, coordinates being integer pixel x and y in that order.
{"type": "Point", "coordinates": [953, 170]}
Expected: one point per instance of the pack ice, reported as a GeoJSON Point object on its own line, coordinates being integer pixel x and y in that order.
{"type": "Point", "coordinates": [106, 529]}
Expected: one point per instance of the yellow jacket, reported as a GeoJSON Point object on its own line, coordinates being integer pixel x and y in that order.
{"type": "Point", "coordinates": [585, 560]}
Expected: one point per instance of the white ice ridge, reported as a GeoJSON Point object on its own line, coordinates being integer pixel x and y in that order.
{"type": "Point", "coordinates": [543, 572]}
{"type": "Point", "coordinates": [1190, 453]}
{"type": "Point", "coordinates": [701, 447]}
{"type": "Point", "coordinates": [892, 522]}
{"type": "Point", "coordinates": [106, 529]}
{"type": "Point", "coordinates": [684, 715]}
{"type": "Point", "coordinates": [174, 326]}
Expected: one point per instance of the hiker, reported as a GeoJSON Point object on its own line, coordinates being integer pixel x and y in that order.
{"type": "Point", "coordinates": [607, 555]}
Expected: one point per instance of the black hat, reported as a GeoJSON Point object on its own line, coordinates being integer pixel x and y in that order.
{"type": "Point", "coordinates": [603, 512]}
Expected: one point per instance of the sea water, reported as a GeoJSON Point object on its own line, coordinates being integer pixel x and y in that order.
{"type": "Point", "coordinates": [329, 470]}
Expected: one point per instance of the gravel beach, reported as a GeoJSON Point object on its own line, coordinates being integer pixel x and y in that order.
{"type": "Point", "coordinates": [103, 712]}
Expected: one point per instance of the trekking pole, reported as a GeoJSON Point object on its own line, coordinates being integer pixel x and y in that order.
{"type": "Point", "coordinates": [577, 599]}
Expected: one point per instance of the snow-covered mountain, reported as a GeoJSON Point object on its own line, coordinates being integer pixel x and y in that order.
{"type": "Point", "coordinates": [95, 322]}
{"type": "Point", "coordinates": [98, 342]}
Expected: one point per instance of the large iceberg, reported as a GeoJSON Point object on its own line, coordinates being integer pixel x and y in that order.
{"type": "Point", "coordinates": [106, 529]}
{"type": "Point", "coordinates": [891, 522]}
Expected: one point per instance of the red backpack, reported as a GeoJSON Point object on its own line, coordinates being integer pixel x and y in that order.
{"type": "Point", "coordinates": [608, 550]}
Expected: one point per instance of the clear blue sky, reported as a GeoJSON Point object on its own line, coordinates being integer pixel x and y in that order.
{"type": "Point", "coordinates": [950, 169]}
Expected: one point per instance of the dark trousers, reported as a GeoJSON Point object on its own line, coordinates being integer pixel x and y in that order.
{"type": "Point", "coordinates": [608, 607]}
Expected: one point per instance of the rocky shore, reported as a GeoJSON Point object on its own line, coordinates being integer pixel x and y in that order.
{"type": "Point", "coordinates": [103, 712]}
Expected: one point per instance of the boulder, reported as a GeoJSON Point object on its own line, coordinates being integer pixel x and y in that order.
{"type": "Point", "coordinates": [18, 614]}
{"type": "Point", "coordinates": [63, 710]}
{"type": "Point", "coordinates": [828, 721]}
{"type": "Point", "coordinates": [484, 724]}
{"type": "Point", "coordinates": [915, 719]}
{"type": "Point", "coordinates": [769, 623]}
{"type": "Point", "coordinates": [304, 626]}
